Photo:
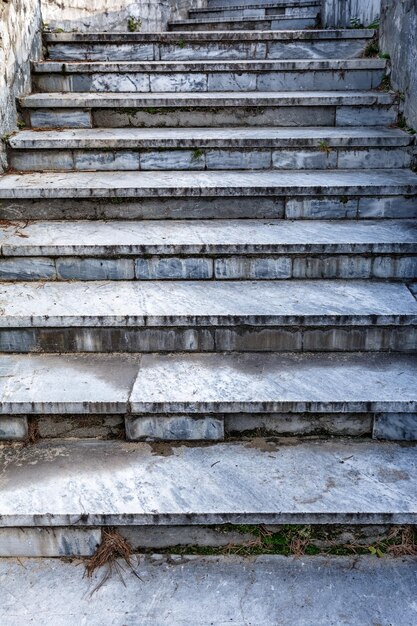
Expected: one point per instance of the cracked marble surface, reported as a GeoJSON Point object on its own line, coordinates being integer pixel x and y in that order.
{"type": "Point", "coordinates": [50, 484]}
{"type": "Point", "coordinates": [228, 183]}
{"type": "Point", "coordinates": [263, 590]}
{"type": "Point", "coordinates": [98, 237]}
{"type": "Point", "coordinates": [166, 303]}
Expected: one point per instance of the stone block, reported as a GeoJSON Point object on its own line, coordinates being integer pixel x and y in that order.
{"type": "Point", "coordinates": [174, 428]}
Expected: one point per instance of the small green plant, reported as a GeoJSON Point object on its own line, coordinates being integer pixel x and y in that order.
{"type": "Point", "coordinates": [324, 147]}
{"type": "Point", "coordinates": [385, 83]}
{"type": "Point", "coordinates": [374, 25]}
{"type": "Point", "coordinates": [355, 23]}
{"type": "Point", "coordinates": [402, 123]}
{"type": "Point", "coordinates": [181, 43]}
{"type": "Point", "coordinates": [59, 30]}
{"type": "Point", "coordinates": [372, 49]}
{"type": "Point", "coordinates": [196, 154]}
{"type": "Point", "coordinates": [133, 24]}
{"type": "Point", "coordinates": [384, 55]}
{"type": "Point", "coordinates": [21, 124]}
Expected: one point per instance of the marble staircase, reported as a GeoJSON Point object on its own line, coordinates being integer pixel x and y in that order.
{"type": "Point", "coordinates": [208, 287]}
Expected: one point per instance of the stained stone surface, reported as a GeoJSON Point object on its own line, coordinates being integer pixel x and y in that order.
{"type": "Point", "coordinates": [66, 383]}
{"type": "Point", "coordinates": [207, 137]}
{"type": "Point", "coordinates": [302, 98]}
{"type": "Point", "coordinates": [121, 237]}
{"type": "Point", "coordinates": [209, 183]}
{"type": "Point", "coordinates": [264, 590]}
{"type": "Point", "coordinates": [176, 428]}
{"type": "Point", "coordinates": [13, 428]}
{"type": "Point", "coordinates": [396, 426]}
{"type": "Point", "coordinates": [219, 383]}
{"type": "Point", "coordinates": [48, 542]}
{"type": "Point", "coordinates": [188, 303]}
{"type": "Point", "coordinates": [89, 483]}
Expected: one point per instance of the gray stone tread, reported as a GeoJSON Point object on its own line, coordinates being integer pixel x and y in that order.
{"type": "Point", "coordinates": [127, 237]}
{"type": "Point", "coordinates": [183, 303]}
{"type": "Point", "coordinates": [298, 65]}
{"type": "Point", "coordinates": [227, 183]}
{"type": "Point", "coordinates": [206, 99]}
{"type": "Point", "coordinates": [170, 37]}
{"type": "Point", "coordinates": [207, 383]}
{"type": "Point", "coordinates": [84, 483]}
{"type": "Point", "coordinates": [256, 5]}
{"type": "Point", "coordinates": [232, 20]}
{"type": "Point", "coordinates": [89, 138]}
{"type": "Point", "coordinates": [264, 591]}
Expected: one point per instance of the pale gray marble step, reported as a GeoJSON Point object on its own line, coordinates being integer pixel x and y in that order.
{"type": "Point", "coordinates": [206, 303]}
{"type": "Point", "coordinates": [202, 184]}
{"type": "Point", "coordinates": [91, 238]}
{"type": "Point", "coordinates": [208, 76]}
{"type": "Point", "coordinates": [168, 37]}
{"type": "Point", "coordinates": [227, 98]}
{"type": "Point", "coordinates": [111, 482]}
{"type": "Point", "coordinates": [263, 590]}
{"type": "Point", "coordinates": [211, 148]}
{"type": "Point", "coordinates": [243, 137]}
{"type": "Point", "coordinates": [272, 22]}
{"type": "Point", "coordinates": [229, 3]}
{"type": "Point", "coordinates": [201, 384]}
{"type": "Point", "coordinates": [203, 109]}
{"type": "Point", "coordinates": [253, 12]}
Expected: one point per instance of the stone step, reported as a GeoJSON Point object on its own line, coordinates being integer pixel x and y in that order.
{"type": "Point", "coordinates": [262, 3]}
{"type": "Point", "coordinates": [239, 249]}
{"type": "Point", "coordinates": [226, 45]}
{"type": "Point", "coordinates": [208, 76]}
{"type": "Point", "coordinates": [88, 484]}
{"type": "Point", "coordinates": [261, 589]}
{"type": "Point", "coordinates": [221, 109]}
{"type": "Point", "coordinates": [307, 8]}
{"type": "Point", "coordinates": [269, 22]}
{"type": "Point", "coordinates": [303, 194]}
{"type": "Point", "coordinates": [210, 148]}
{"type": "Point", "coordinates": [201, 384]}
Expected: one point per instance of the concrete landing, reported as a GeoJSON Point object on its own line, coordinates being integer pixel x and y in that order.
{"type": "Point", "coordinates": [207, 591]}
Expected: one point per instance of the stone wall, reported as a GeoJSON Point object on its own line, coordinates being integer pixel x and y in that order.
{"type": "Point", "coordinates": [108, 15]}
{"type": "Point", "coordinates": [399, 39]}
{"type": "Point", "coordinates": [20, 41]}
{"type": "Point", "coordinates": [341, 12]}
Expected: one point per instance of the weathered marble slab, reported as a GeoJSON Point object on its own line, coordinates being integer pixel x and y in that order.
{"type": "Point", "coordinates": [263, 590]}
{"type": "Point", "coordinates": [197, 184]}
{"type": "Point", "coordinates": [245, 23]}
{"type": "Point", "coordinates": [48, 542]}
{"type": "Point", "coordinates": [42, 384]}
{"type": "Point", "coordinates": [249, 137]}
{"type": "Point", "coordinates": [13, 429]}
{"type": "Point", "coordinates": [174, 428]}
{"type": "Point", "coordinates": [190, 237]}
{"type": "Point", "coordinates": [219, 383]}
{"type": "Point", "coordinates": [52, 67]}
{"type": "Point", "coordinates": [91, 483]}
{"type": "Point", "coordinates": [396, 426]}
{"type": "Point", "coordinates": [108, 37]}
{"type": "Point", "coordinates": [204, 99]}
{"type": "Point", "coordinates": [189, 303]}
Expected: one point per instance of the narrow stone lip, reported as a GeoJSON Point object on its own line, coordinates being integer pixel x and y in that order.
{"type": "Point", "coordinates": [267, 5]}
{"type": "Point", "coordinates": [199, 37]}
{"type": "Point", "coordinates": [296, 65]}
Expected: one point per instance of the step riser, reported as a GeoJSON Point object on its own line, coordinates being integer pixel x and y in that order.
{"type": "Point", "coordinates": [208, 81]}
{"type": "Point", "coordinates": [238, 12]}
{"type": "Point", "coordinates": [219, 117]}
{"type": "Point", "coordinates": [381, 426]}
{"type": "Point", "coordinates": [211, 4]}
{"type": "Point", "coordinates": [289, 23]}
{"type": "Point", "coordinates": [315, 207]}
{"type": "Point", "coordinates": [189, 51]}
{"type": "Point", "coordinates": [37, 542]}
{"type": "Point", "coordinates": [199, 339]}
{"type": "Point", "coordinates": [210, 159]}
{"type": "Point", "coordinates": [188, 266]}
